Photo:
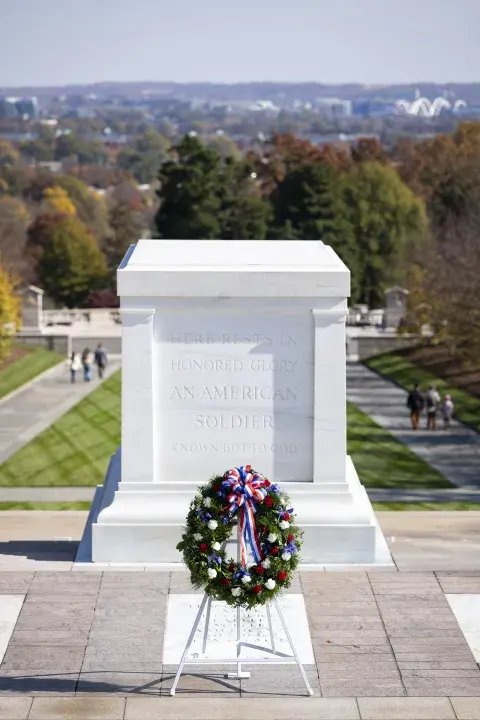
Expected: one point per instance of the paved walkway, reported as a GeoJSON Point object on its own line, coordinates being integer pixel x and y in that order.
{"type": "Point", "coordinates": [87, 643]}
{"type": "Point", "coordinates": [28, 412]}
{"type": "Point", "coordinates": [386, 646]}
{"type": "Point", "coordinates": [455, 454]}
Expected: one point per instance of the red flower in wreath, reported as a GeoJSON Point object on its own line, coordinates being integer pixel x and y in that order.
{"type": "Point", "coordinates": [225, 581]}
{"type": "Point", "coordinates": [203, 547]}
{"type": "Point", "coordinates": [281, 576]}
{"type": "Point", "coordinates": [257, 589]}
{"type": "Point", "coordinates": [274, 550]}
{"type": "Point", "coordinates": [259, 570]}
{"type": "Point", "coordinates": [290, 538]}
{"type": "Point", "coordinates": [268, 501]}
{"type": "Point", "coordinates": [286, 516]}
{"type": "Point", "coordinates": [231, 567]}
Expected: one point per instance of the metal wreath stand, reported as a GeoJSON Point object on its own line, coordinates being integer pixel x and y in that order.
{"type": "Point", "coordinates": [277, 656]}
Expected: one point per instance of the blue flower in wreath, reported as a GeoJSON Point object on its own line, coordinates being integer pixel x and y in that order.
{"type": "Point", "coordinates": [205, 517]}
{"type": "Point", "coordinates": [214, 559]}
{"type": "Point", "coordinates": [274, 488]}
{"type": "Point", "coordinates": [291, 548]}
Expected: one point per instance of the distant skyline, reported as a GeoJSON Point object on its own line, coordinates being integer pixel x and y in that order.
{"type": "Point", "coordinates": [66, 42]}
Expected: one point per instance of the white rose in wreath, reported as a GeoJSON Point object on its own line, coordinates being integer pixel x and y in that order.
{"type": "Point", "coordinates": [212, 524]}
{"type": "Point", "coordinates": [216, 546]}
{"type": "Point", "coordinates": [271, 538]}
{"type": "Point", "coordinates": [207, 501]}
{"type": "Point", "coordinates": [197, 537]}
{"type": "Point", "coordinates": [212, 573]}
{"type": "Point", "coordinates": [284, 524]}
{"type": "Point", "coordinates": [236, 592]}
{"type": "Point", "coordinates": [266, 563]}
{"type": "Point", "coordinates": [246, 579]}
{"type": "Point", "coordinates": [270, 584]}
{"type": "Point", "coordinates": [286, 556]}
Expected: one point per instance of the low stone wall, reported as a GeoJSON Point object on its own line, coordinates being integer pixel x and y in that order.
{"type": "Point", "coordinates": [56, 343]}
{"type": "Point", "coordinates": [112, 344]}
{"type": "Point", "coordinates": [369, 346]}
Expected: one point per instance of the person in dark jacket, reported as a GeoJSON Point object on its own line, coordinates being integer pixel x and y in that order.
{"type": "Point", "coordinates": [100, 360]}
{"type": "Point", "coordinates": [415, 403]}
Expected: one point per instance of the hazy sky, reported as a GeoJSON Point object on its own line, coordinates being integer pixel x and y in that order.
{"type": "Point", "coordinates": [55, 42]}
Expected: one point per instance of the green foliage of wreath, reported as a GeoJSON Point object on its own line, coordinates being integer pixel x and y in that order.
{"type": "Point", "coordinates": [209, 526]}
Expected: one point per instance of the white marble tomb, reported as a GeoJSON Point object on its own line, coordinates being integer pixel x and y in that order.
{"type": "Point", "coordinates": [233, 353]}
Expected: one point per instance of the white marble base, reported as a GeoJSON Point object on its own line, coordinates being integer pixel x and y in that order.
{"type": "Point", "coordinates": [142, 523]}
{"type": "Point", "coordinates": [466, 609]}
{"type": "Point", "coordinates": [181, 613]}
{"type": "Point", "coordinates": [10, 606]}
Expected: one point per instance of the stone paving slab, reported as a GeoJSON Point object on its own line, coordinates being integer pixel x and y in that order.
{"type": "Point", "coordinates": [77, 709]}
{"type": "Point", "coordinates": [15, 708]}
{"type": "Point", "coordinates": [87, 707]}
{"type": "Point", "coordinates": [466, 708]}
{"type": "Point", "coordinates": [406, 709]}
{"type": "Point", "coordinates": [244, 709]}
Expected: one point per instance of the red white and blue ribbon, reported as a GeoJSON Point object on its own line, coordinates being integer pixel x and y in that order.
{"type": "Point", "coordinates": [245, 489]}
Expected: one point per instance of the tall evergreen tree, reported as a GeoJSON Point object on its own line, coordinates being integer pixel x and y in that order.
{"type": "Point", "coordinates": [205, 196]}
{"type": "Point", "coordinates": [190, 184]}
{"type": "Point", "coordinates": [245, 214]}
{"type": "Point", "coordinates": [308, 204]}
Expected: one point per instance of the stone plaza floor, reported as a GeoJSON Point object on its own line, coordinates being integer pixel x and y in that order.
{"type": "Point", "coordinates": [386, 643]}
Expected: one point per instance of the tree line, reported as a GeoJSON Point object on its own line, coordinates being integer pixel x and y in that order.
{"type": "Point", "coordinates": [405, 215]}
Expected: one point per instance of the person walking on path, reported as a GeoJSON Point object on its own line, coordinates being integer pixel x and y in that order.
{"type": "Point", "coordinates": [100, 360]}
{"type": "Point", "coordinates": [432, 401]}
{"type": "Point", "coordinates": [87, 361]}
{"type": "Point", "coordinates": [447, 411]}
{"type": "Point", "coordinates": [415, 404]}
{"type": "Point", "coordinates": [75, 365]}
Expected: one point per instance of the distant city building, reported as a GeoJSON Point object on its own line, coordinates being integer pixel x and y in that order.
{"type": "Point", "coordinates": [374, 108]}
{"type": "Point", "coordinates": [334, 107]}
{"type": "Point", "coordinates": [15, 107]}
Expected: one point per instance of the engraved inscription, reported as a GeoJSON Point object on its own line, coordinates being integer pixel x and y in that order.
{"type": "Point", "coordinates": [249, 448]}
{"type": "Point", "coordinates": [219, 365]}
{"type": "Point", "coordinates": [231, 339]}
{"type": "Point", "coordinates": [231, 392]}
{"type": "Point", "coordinates": [234, 388]}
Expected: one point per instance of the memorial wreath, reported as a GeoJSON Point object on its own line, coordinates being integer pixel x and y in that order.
{"type": "Point", "coordinates": [266, 526]}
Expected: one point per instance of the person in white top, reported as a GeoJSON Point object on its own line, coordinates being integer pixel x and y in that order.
{"type": "Point", "coordinates": [75, 365]}
{"type": "Point", "coordinates": [447, 411]}
{"type": "Point", "coordinates": [432, 403]}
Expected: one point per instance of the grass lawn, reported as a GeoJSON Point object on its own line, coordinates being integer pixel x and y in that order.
{"type": "Point", "coordinates": [399, 369]}
{"type": "Point", "coordinates": [402, 506]}
{"type": "Point", "coordinates": [76, 449]}
{"type": "Point", "coordinates": [382, 461]}
{"type": "Point", "coordinates": [25, 363]}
